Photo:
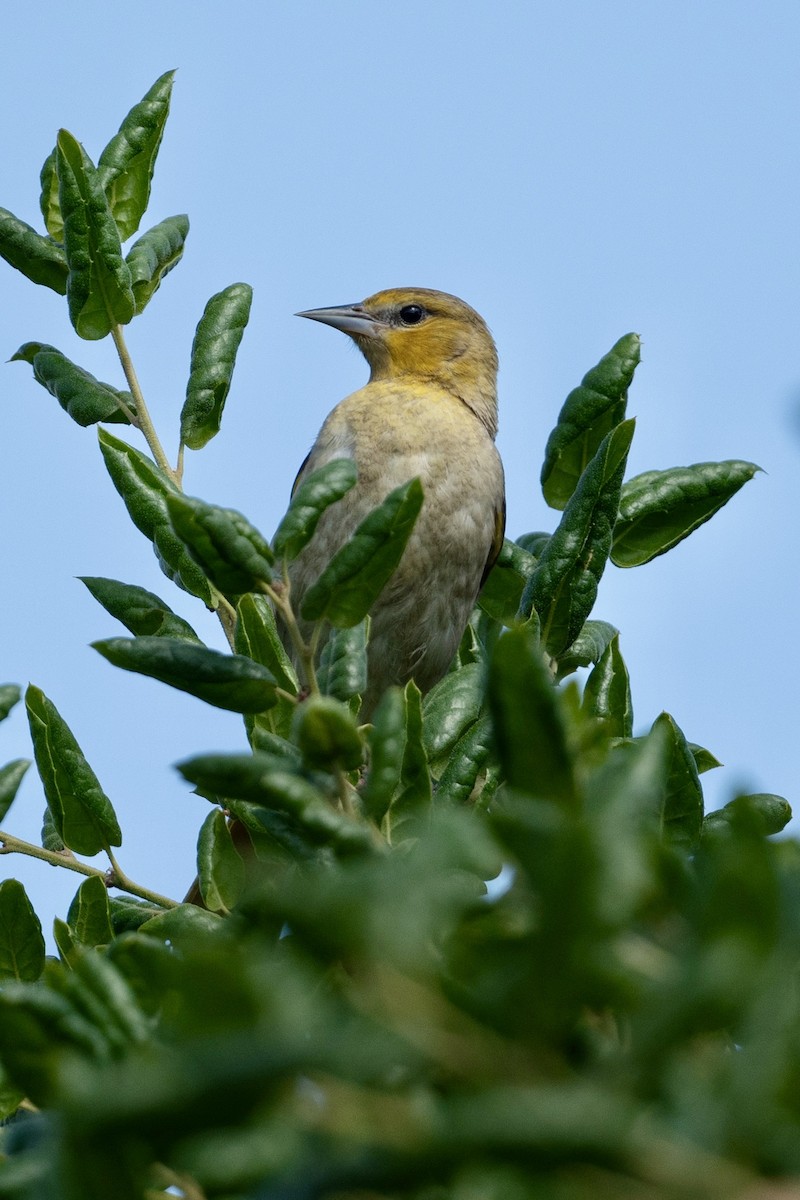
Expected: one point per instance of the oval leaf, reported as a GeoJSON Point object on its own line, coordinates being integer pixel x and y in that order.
{"type": "Point", "coordinates": [309, 501]}
{"type": "Point", "coordinates": [342, 670]}
{"type": "Point", "coordinates": [140, 611]}
{"type": "Point", "coordinates": [49, 204]}
{"type": "Point", "coordinates": [38, 258]}
{"type": "Point", "coordinates": [89, 915]}
{"type": "Point", "coordinates": [82, 397]}
{"type": "Point", "coordinates": [658, 509]}
{"type": "Point", "coordinates": [216, 341]}
{"type": "Point", "coordinates": [607, 695]}
{"type": "Point", "coordinates": [220, 869]}
{"type": "Point", "coordinates": [230, 551]}
{"type": "Point", "coordinates": [11, 776]}
{"type": "Point", "coordinates": [21, 941]}
{"type": "Point", "coordinates": [9, 696]}
{"type": "Point", "coordinates": [154, 255]}
{"type": "Point", "coordinates": [224, 680]}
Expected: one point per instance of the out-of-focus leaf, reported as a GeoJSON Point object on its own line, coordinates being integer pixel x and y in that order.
{"type": "Point", "coordinates": [682, 803]}
{"type": "Point", "coordinates": [21, 941]}
{"type": "Point", "coordinates": [225, 680]}
{"type": "Point", "coordinates": [765, 811]}
{"type": "Point", "coordinates": [10, 778]}
{"type": "Point", "coordinates": [154, 255]}
{"type": "Point", "coordinates": [359, 571]}
{"type": "Point", "coordinates": [38, 258]}
{"type": "Point", "coordinates": [126, 165]}
{"type": "Point", "coordinates": [467, 761]}
{"type": "Point", "coordinates": [144, 490]}
{"type": "Point", "coordinates": [342, 670]}
{"type": "Point", "coordinates": [588, 647]}
{"type": "Point", "coordinates": [309, 501]}
{"type": "Point", "coordinates": [9, 696]}
{"type": "Point", "coordinates": [327, 735]}
{"type": "Point", "coordinates": [223, 543]}
{"type": "Point", "coordinates": [48, 202]}
{"type": "Point", "coordinates": [658, 509]}
{"type": "Point", "coordinates": [82, 397]}
{"type": "Point", "coordinates": [704, 760]}
{"type": "Point", "coordinates": [607, 695]}
{"type": "Point", "coordinates": [216, 342]}
{"type": "Point", "coordinates": [219, 866]}
{"type": "Point", "coordinates": [411, 805]}
{"type": "Point", "coordinates": [386, 741]}
{"type": "Point", "coordinates": [99, 291]}
{"type": "Point", "coordinates": [140, 611]}
{"type": "Point", "coordinates": [589, 413]}
{"type": "Point", "coordinates": [81, 811]}
{"type": "Point", "coordinates": [563, 587]}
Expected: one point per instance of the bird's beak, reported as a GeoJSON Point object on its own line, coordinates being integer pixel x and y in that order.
{"type": "Point", "coordinates": [350, 318]}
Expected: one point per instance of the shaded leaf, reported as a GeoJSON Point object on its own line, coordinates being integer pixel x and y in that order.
{"type": "Point", "coordinates": [682, 800]}
{"type": "Point", "coordinates": [219, 866]}
{"type": "Point", "coordinates": [327, 735]}
{"type": "Point", "coordinates": [9, 696]}
{"type": "Point", "coordinates": [140, 611]}
{"type": "Point", "coordinates": [11, 776]}
{"type": "Point", "coordinates": [38, 258]}
{"type": "Point", "coordinates": [89, 915]}
{"type": "Point", "coordinates": [588, 647]}
{"type": "Point", "coordinates": [230, 551]}
{"type": "Point", "coordinates": [607, 695]}
{"type": "Point", "coordinates": [342, 669]}
{"type": "Point", "coordinates": [501, 593]}
{"type": "Point", "coordinates": [21, 940]}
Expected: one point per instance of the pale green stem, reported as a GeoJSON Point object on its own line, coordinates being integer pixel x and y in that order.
{"type": "Point", "coordinates": [142, 419]}
{"type": "Point", "coordinates": [65, 858]}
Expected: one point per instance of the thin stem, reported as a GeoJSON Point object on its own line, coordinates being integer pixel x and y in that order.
{"type": "Point", "coordinates": [306, 653]}
{"type": "Point", "coordinates": [13, 845]}
{"type": "Point", "coordinates": [142, 419]}
{"type": "Point", "coordinates": [226, 614]}
{"type": "Point", "coordinates": [179, 465]}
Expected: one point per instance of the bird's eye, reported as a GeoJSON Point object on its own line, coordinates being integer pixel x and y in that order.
{"type": "Point", "coordinates": [412, 314]}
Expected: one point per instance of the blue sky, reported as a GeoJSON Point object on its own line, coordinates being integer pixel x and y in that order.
{"type": "Point", "coordinates": [574, 170]}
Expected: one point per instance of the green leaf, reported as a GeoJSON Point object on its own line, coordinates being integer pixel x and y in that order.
{"type": "Point", "coordinates": [227, 681]}
{"type": "Point", "coordinates": [468, 759]}
{"type": "Point", "coordinates": [154, 255]}
{"type": "Point", "coordinates": [140, 611]}
{"type": "Point", "coordinates": [529, 722]}
{"type": "Point", "coordinates": [10, 778]}
{"type": "Point", "coordinates": [144, 490]}
{"type": "Point", "coordinates": [128, 913]}
{"type": "Point", "coordinates": [216, 341]}
{"type": "Point", "coordinates": [763, 810]}
{"type": "Point", "coordinates": [219, 866]}
{"type": "Point", "coordinates": [588, 647]}
{"type": "Point", "coordinates": [100, 991]}
{"type": "Point", "coordinates": [658, 509]}
{"type": "Point", "coordinates": [309, 501]}
{"type": "Point", "coordinates": [69, 948]}
{"type": "Point", "coordinates": [49, 204]}
{"type": "Point", "coordinates": [502, 592]}
{"type": "Point", "coordinates": [38, 258]}
{"type": "Point", "coordinates": [82, 397]}
{"type": "Point", "coordinates": [21, 941]}
{"type": "Point", "coordinates": [89, 915]}
{"type": "Point", "coordinates": [9, 696]}
{"type": "Point", "coordinates": [126, 165]}
{"type": "Point", "coordinates": [412, 803]}
{"type": "Point", "coordinates": [327, 735]}
{"type": "Point", "coordinates": [450, 707]}
{"type": "Point", "coordinates": [99, 291]}
{"type": "Point", "coordinates": [563, 587]}
{"type": "Point", "coordinates": [257, 636]}
{"type": "Point", "coordinates": [230, 551]}
{"type": "Point", "coordinates": [183, 926]}
{"type": "Point", "coordinates": [387, 742]}
{"type": "Point", "coordinates": [589, 414]}
{"type": "Point", "coordinates": [50, 837]}
{"type": "Point", "coordinates": [607, 695]}
{"type": "Point", "coordinates": [82, 813]}
{"type": "Point", "coordinates": [682, 801]}
{"type": "Point", "coordinates": [359, 571]}
{"type": "Point", "coordinates": [265, 782]}
{"type": "Point", "coordinates": [704, 760]}
{"type": "Point", "coordinates": [342, 670]}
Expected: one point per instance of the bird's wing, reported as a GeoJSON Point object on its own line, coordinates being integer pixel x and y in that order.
{"type": "Point", "coordinates": [303, 466]}
{"type": "Point", "coordinates": [497, 540]}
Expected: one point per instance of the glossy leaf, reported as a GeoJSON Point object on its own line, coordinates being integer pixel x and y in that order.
{"type": "Point", "coordinates": [359, 571]}
{"type": "Point", "coordinates": [50, 837]}
{"type": "Point", "coordinates": [82, 397]}
{"type": "Point", "coordinates": [259, 779]}
{"type": "Point", "coordinates": [588, 647]}
{"type": "Point", "coordinates": [219, 866]}
{"type": "Point", "coordinates": [327, 735]}
{"type": "Point", "coordinates": [216, 342]}
{"type": "Point", "coordinates": [502, 591]}
{"type": "Point", "coordinates": [682, 800]}
{"type": "Point", "coordinates": [140, 611]}
{"type": "Point", "coordinates": [763, 810]}
{"type": "Point", "coordinates": [229, 550]}
{"type": "Point", "coordinates": [11, 776]}
{"type": "Point", "coordinates": [9, 696]}
{"type": "Point", "coordinates": [704, 760]}
{"type": "Point", "coordinates": [589, 414]}
{"type": "Point", "coordinates": [607, 695]}
{"type": "Point", "coordinates": [658, 509]}
{"type": "Point", "coordinates": [451, 707]}
{"type": "Point", "coordinates": [257, 636]}
{"type": "Point", "coordinates": [48, 202]}
{"type": "Point", "coordinates": [309, 501]}
{"type": "Point", "coordinates": [563, 587]}
{"type": "Point", "coordinates": [82, 813]}
{"type": "Point", "coordinates": [21, 941]}
{"type": "Point", "coordinates": [144, 489]}
{"type": "Point", "coordinates": [39, 258]}
{"type": "Point", "coordinates": [411, 805]}
{"type": "Point", "coordinates": [530, 727]}
{"type": "Point", "coordinates": [126, 165]}
{"type": "Point", "coordinates": [387, 742]}
{"type": "Point", "coordinates": [99, 292]}
{"type": "Point", "coordinates": [227, 681]}
{"type": "Point", "coordinates": [154, 255]}
{"type": "Point", "coordinates": [467, 761]}
{"type": "Point", "coordinates": [89, 915]}
{"type": "Point", "coordinates": [342, 669]}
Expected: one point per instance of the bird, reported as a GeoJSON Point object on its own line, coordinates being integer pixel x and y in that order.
{"type": "Point", "coordinates": [429, 410]}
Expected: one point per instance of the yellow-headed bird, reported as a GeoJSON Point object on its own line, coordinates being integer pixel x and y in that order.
{"type": "Point", "coordinates": [429, 410]}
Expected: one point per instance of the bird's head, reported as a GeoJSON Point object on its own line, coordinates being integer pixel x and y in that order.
{"type": "Point", "coordinates": [427, 336]}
